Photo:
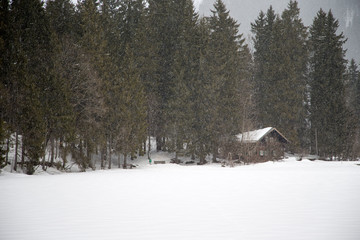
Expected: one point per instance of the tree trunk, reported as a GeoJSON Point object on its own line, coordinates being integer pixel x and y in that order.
{"type": "Point", "coordinates": [149, 147]}
{"type": "Point", "coordinates": [202, 155]}
{"type": "Point", "coordinates": [231, 162]}
{"type": "Point", "coordinates": [7, 151]}
{"type": "Point", "coordinates": [56, 148]}
{"type": "Point", "coordinates": [81, 156]}
{"type": "Point", "coordinates": [214, 155]}
{"type": "Point", "coordinates": [16, 150]}
{"type": "Point", "coordinates": [89, 156]}
{"type": "Point", "coordinates": [119, 161]}
{"type": "Point", "coordinates": [22, 156]}
{"type": "Point", "coordinates": [176, 157]}
{"type": "Point", "coordinates": [64, 153]}
{"type": "Point", "coordinates": [125, 163]}
{"type": "Point", "coordinates": [52, 143]}
{"type": "Point", "coordinates": [103, 157]}
{"type": "Point", "coordinates": [110, 152]}
{"type": "Point", "coordinates": [158, 144]}
{"type": "Point", "coordinates": [44, 156]}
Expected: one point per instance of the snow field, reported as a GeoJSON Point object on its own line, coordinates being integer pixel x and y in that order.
{"type": "Point", "coordinates": [281, 200]}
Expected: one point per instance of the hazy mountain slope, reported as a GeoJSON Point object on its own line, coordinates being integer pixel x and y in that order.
{"type": "Point", "coordinates": [347, 11]}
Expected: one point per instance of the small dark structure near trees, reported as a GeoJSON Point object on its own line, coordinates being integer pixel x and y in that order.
{"type": "Point", "coordinates": [261, 145]}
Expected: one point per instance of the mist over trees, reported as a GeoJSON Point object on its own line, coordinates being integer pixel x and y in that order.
{"type": "Point", "coordinates": [91, 82]}
{"type": "Point", "coordinates": [347, 12]}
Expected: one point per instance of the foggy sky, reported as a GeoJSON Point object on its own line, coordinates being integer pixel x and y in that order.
{"type": "Point", "coordinates": [346, 11]}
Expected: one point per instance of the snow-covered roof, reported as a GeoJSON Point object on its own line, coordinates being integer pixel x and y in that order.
{"type": "Point", "coordinates": [257, 135]}
{"type": "Point", "coordinates": [254, 136]}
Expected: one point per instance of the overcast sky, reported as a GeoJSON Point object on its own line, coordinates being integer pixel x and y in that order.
{"type": "Point", "coordinates": [346, 11]}
{"type": "Point", "coordinates": [197, 3]}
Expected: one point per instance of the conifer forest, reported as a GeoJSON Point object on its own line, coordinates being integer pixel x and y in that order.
{"type": "Point", "coordinates": [93, 81]}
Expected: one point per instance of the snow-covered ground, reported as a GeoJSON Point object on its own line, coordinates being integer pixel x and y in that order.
{"type": "Point", "coordinates": [271, 201]}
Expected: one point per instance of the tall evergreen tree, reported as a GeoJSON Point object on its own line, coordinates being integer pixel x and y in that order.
{"type": "Point", "coordinates": [200, 96]}
{"type": "Point", "coordinates": [91, 112]}
{"type": "Point", "coordinates": [31, 43]}
{"type": "Point", "coordinates": [184, 71]}
{"type": "Point", "coordinates": [264, 35]}
{"type": "Point", "coordinates": [132, 127]}
{"type": "Point", "coordinates": [281, 63]}
{"type": "Point", "coordinates": [329, 113]}
{"type": "Point", "coordinates": [353, 78]}
{"type": "Point", "coordinates": [164, 19]}
{"type": "Point", "coordinates": [145, 53]}
{"type": "Point", "coordinates": [61, 15]}
{"type": "Point", "coordinates": [4, 67]}
{"type": "Point", "coordinates": [291, 82]}
{"type": "Point", "coordinates": [353, 101]}
{"type": "Point", "coordinates": [122, 23]}
{"type": "Point", "coordinates": [227, 50]}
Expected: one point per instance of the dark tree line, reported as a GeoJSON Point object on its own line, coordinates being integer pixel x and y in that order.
{"type": "Point", "coordinates": [302, 85]}
{"type": "Point", "coordinates": [93, 81]}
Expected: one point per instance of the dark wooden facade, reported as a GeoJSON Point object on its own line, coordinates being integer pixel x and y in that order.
{"type": "Point", "coordinates": [265, 145]}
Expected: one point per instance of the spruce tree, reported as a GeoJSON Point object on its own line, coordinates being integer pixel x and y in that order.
{"type": "Point", "coordinates": [60, 14]}
{"type": "Point", "coordinates": [226, 49]}
{"type": "Point", "coordinates": [353, 101]}
{"type": "Point", "coordinates": [353, 79]}
{"type": "Point", "coordinates": [4, 68]}
{"type": "Point", "coordinates": [164, 20]}
{"type": "Point", "coordinates": [329, 114]}
{"type": "Point", "coordinates": [132, 128]}
{"type": "Point", "coordinates": [291, 71]}
{"type": "Point", "coordinates": [31, 43]}
{"type": "Point", "coordinates": [264, 34]}
{"type": "Point", "coordinates": [184, 72]}
{"type": "Point", "coordinates": [91, 112]}
{"type": "Point", "coordinates": [147, 63]}
{"type": "Point", "coordinates": [200, 96]}
{"type": "Point", "coordinates": [281, 63]}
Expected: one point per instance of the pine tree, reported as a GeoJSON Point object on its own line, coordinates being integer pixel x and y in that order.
{"type": "Point", "coordinates": [329, 114]}
{"type": "Point", "coordinates": [4, 67]}
{"type": "Point", "coordinates": [353, 79]}
{"type": "Point", "coordinates": [292, 66]}
{"type": "Point", "coordinates": [164, 18]}
{"type": "Point", "coordinates": [90, 113]}
{"type": "Point", "coordinates": [281, 63]}
{"type": "Point", "coordinates": [13, 68]}
{"type": "Point", "coordinates": [227, 74]}
{"type": "Point", "coordinates": [147, 64]}
{"type": "Point", "coordinates": [353, 102]}
{"type": "Point", "coordinates": [132, 128]}
{"type": "Point", "coordinates": [60, 14]}
{"type": "Point", "coordinates": [263, 30]}
{"type": "Point", "coordinates": [184, 72]}
{"type": "Point", "coordinates": [200, 96]}
{"type": "Point", "coordinates": [32, 49]}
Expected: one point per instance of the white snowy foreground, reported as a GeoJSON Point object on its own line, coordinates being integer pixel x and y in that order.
{"type": "Point", "coordinates": [286, 200]}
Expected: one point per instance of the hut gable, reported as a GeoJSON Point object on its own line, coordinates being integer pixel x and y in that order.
{"type": "Point", "coordinates": [260, 135]}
